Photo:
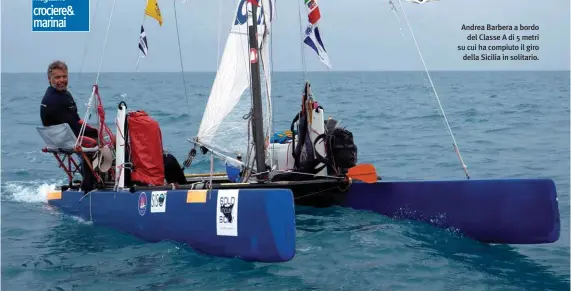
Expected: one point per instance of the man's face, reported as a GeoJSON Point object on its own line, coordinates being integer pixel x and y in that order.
{"type": "Point", "coordinates": [58, 79]}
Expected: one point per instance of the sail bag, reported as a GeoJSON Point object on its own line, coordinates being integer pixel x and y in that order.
{"type": "Point", "coordinates": [146, 149]}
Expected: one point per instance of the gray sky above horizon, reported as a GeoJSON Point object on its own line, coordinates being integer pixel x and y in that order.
{"type": "Point", "coordinates": [365, 37]}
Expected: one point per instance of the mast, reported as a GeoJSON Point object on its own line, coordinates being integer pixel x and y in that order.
{"type": "Point", "coordinates": [257, 118]}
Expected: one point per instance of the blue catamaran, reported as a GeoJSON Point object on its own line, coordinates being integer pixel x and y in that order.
{"type": "Point", "coordinates": [249, 211]}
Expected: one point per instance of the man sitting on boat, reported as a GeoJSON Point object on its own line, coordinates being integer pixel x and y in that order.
{"type": "Point", "coordinates": [58, 106]}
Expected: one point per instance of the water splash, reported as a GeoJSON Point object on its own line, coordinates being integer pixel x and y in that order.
{"type": "Point", "coordinates": [30, 191]}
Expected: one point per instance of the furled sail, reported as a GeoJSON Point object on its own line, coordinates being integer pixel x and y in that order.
{"type": "Point", "coordinates": [267, 69]}
{"type": "Point", "coordinates": [233, 75]}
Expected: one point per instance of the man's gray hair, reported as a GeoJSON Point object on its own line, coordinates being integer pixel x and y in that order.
{"type": "Point", "coordinates": [56, 65]}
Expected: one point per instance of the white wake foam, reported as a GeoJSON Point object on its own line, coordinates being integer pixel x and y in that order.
{"type": "Point", "coordinates": [31, 191]}
{"type": "Point", "coordinates": [34, 192]}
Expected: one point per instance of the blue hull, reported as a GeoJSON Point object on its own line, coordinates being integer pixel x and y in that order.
{"type": "Point", "coordinates": [503, 211]}
{"type": "Point", "coordinates": [252, 224]}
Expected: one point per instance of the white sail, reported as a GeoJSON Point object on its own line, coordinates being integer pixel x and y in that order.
{"type": "Point", "coordinates": [267, 68]}
{"type": "Point", "coordinates": [233, 75]}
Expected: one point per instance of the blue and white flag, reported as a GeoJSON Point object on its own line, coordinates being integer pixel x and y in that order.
{"type": "Point", "coordinates": [312, 35]}
{"type": "Point", "coordinates": [143, 43]}
{"type": "Point", "coordinates": [313, 40]}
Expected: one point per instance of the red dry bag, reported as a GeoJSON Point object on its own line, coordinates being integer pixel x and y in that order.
{"type": "Point", "coordinates": [146, 148]}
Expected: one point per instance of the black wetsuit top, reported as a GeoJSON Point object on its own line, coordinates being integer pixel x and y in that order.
{"type": "Point", "coordinates": [59, 107]}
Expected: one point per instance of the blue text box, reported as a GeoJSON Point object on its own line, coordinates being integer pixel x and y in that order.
{"type": "Point", "coordinates": [60, 15]}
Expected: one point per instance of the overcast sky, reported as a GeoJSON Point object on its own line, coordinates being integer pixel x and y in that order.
{"type": "Point", "coordinates": [359, 35]}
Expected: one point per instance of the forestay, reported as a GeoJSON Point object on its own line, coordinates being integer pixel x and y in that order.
{"type": "Point", "coordinates": [233, 75]}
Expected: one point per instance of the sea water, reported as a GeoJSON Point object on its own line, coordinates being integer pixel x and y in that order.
{"type": "Point", "coordinates": [506, 124]}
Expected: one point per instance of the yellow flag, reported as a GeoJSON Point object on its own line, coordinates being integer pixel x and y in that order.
{"type": "Point", "coordinates": [154, 11]}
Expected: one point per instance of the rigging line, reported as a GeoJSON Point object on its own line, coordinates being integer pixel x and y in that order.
{"type": "Point", "coordinates": [269, 109]}
{"type": "Point", "coordinates": [180, 51]}
{"type": "Point", "coordinates": [303, 66]}
{"type": "Point", "coordinates": [393, 9]}
{"type": "Point", "coordinates": [216, 75]}
{"type": "Point", "coordinates": [249, 9]}
{"type": "Point", "coordinates": [436, 94]}
{"type": "Point", "coordinates": [219, 25]}
{"type": "Point", "coordinates": [82, 63]}
{"type": "Point", "coordinates": [139, 36]}
{"type": "Point", "coordinates": [266, 73]}
{"type": "Point", "coordinates": [87, 113]}
{"type": "Point", "coordinates": [272, 128]}
{"type": "Point", "coordinates": [139, 53]}
{"type": "Point", "coordinates": [105, 42]}
{"type": "Point", "coordinates": [271, 91]}
{"type": "Point", "coordinates": [245, 48]}
{"type": "Point", "coordinates": [87, 42]}
{"type": "Point", "coordinates": [244, 51]}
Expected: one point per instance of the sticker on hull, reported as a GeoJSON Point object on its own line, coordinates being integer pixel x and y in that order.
{"type": "Point", "coordinates": [196, 196]}
{"type": "Point", "coordinates": [227, 213]}
{"type": "Point", "coordinates": [142, 205]}
{"type": "Point", "coordinates": [158, 201]}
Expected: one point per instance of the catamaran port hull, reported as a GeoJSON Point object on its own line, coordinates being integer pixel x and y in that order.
{"type": "Point", "coordinates": [501, 211]}
{"type": "Point", "coordinates": [251, 224]}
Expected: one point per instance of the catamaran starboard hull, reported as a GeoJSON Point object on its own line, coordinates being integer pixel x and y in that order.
{"type": "Point", "coordinates": [501, 211]}
{"type": "Point", "coordinates": [252, 224]}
